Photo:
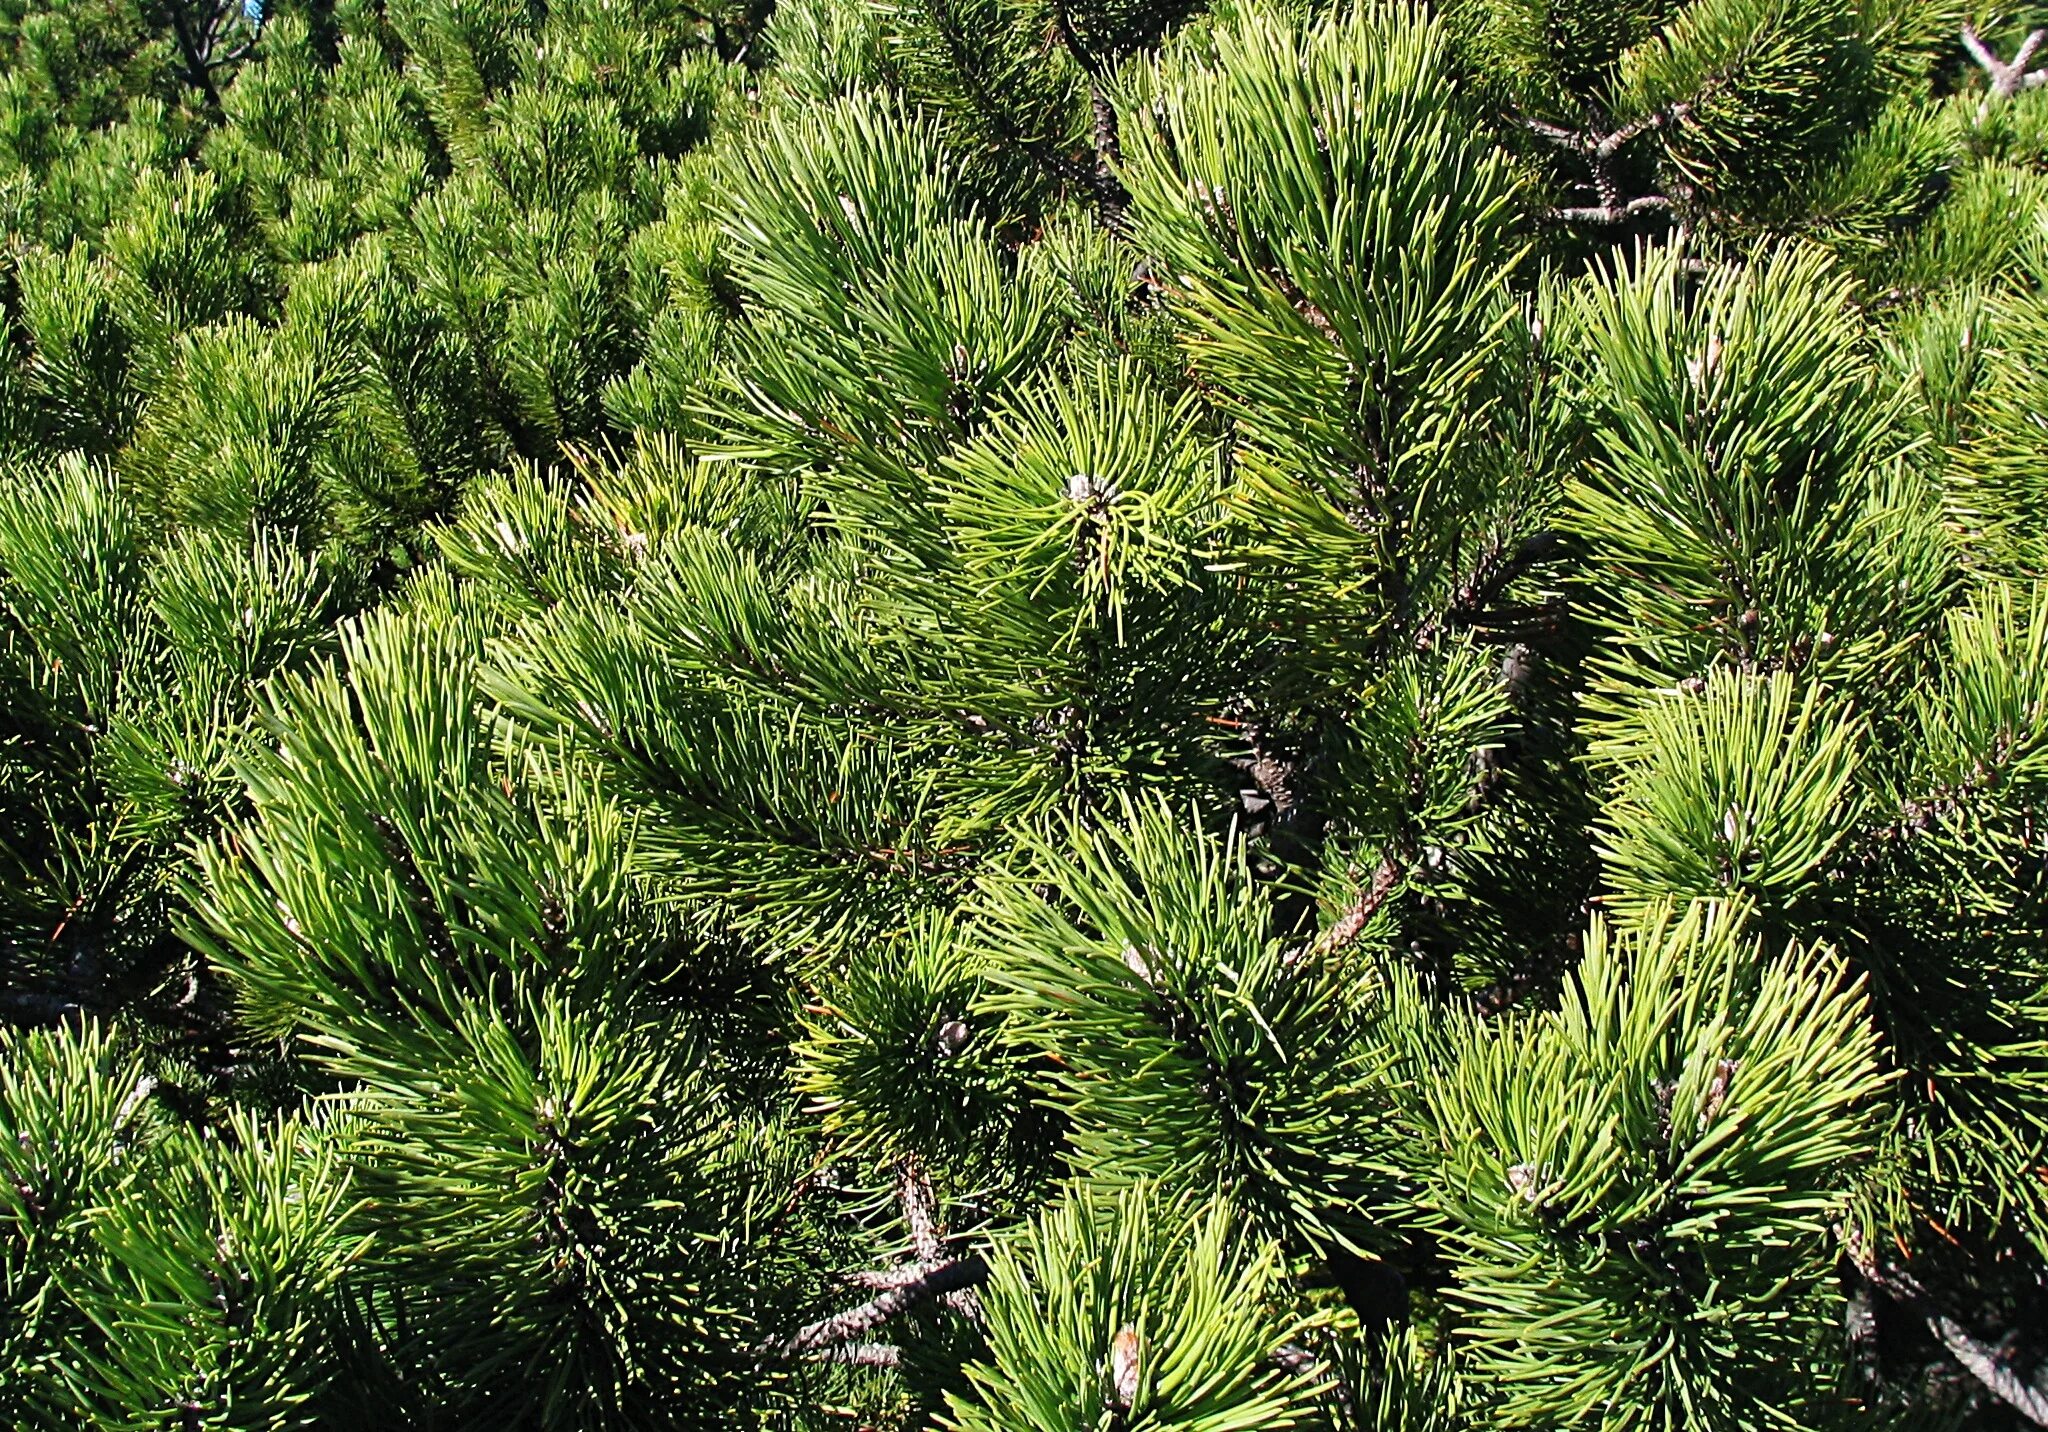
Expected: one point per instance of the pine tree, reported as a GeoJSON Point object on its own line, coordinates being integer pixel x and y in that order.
{"type": "Point", "coordinates": [1022, 715]}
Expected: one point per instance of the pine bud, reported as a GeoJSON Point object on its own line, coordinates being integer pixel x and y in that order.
{"type": "Point", "coordinates": [1086, 488]}
{"type": "Point", "coordinates": [1136, 964]}
{"type": "Point", "coordinates": [1123, 1368]}
{"type": "Point", "coordinates": [952, 1038]}
{"type": "Point", "coordinates": [1717, 1092]}
{"type": "Point", "coordinates": [1702, 369]}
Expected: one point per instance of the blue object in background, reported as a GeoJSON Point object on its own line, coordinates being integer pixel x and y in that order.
{"type": "Point", "coordinates": [252, 11]}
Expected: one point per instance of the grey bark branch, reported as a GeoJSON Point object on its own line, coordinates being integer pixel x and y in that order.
{"type": "Point", "coordinates": [881, 1280]}
{"type": "Point", "coordinates": [1351, 924]}
{"type": "Point", "coordinates": [2026, 1396]}
{"type": "Point", "coordinates": [1110, 198]}
{"type": "Point", "coordinates": [920, 1211]}
{"type": "Point", "coordinates": [1613, 213]}
{"type": "Point", "coordinates": [1982, 1362]}
{"type": "Point", "coordinates": [2007, 79]}
{"type": "Point", "coordinates": [1602, 150]}
{"type": "Point", "coordinates": [144, 1087]}
{"type": "Point", "coordinates": [927, 1235]}
{"type": "Point", "coordinates": [1111, 201]}
{"type": "Point", "coordinates": [1556, 133]}
{"type": "Point", "coordinates": [1497, 569]}
{"type": "Point", "coordinates": [864, 1354]}
{"type": "Point", "coordinates": [859, 1321]}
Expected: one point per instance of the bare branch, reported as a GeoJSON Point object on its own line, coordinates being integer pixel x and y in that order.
{"type": "Point", "coordinates": [857, 1322]}
{"type": "Point", "coordinates": [1602, 150]}
{"type": "Point", "coordinates": [2006, 78]}
{"type": "Point", "coordinates": [879, 1280]}
{"type": "Point", "coordinates": [1607, 146]}
{"type": "Point", "coordinates": [1556, 133]}
{"type": "Point", "coordinates": [2028, 1397]}
{"type": "Point", "coordinates": [1613, 213]}
{"type": "Point", "coordinates": [920, 1210]}
{"type": "Point", "coordinates": [864, 1354]}
{"type": "Point", "coordinates": [1979, 51]}
{"type": "Point", "coordinates": [1111, 200]}
{"type": "Point", "coordinates": [1497, 569]}
{"type": "Point", "coordinates": [2027, 48]}
{"type": "Point", "coordinates": [144, 1087]}
{"type": "Point", "coordinates": [236, 55]}
{"type": "Point", "coordinates": [1351, 924]}
{"type": "Point", "coordinates": [927, 1235]}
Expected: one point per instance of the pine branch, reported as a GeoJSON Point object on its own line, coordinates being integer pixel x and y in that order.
{"type": "Point", "coordinates": [927, 1235]}
{"type": "Point", "coordinates": [995, 112]}
{"type": "Point", "coordinates": [1317, 319]}
{"type": "Point", "coordinates": [433, 924]}
{"type": "Point", "coordinates": [2028, 1397]}
{"type": "Point", "coordinates": [960, 1273]}
{"type": "Point", "coordinates": [234, 55]}
{"type": "Point", "coordinates": [194, 51]}
{"type": "Point", "coordinates": [199, 30]}
{"type": "Point", "coordinates": [1557, 134]}
{"type": "Point", "coordinates": [864, 1354]}
{"type": "Point", "coordinates": [1499, 568]}
{"type": "Point", "coordinates": [2007, 79]}
{"type": "Point", "coordinates": [1474, 602]}
{"type": "Point", "coordinates": [1612, 213]}
{"type": "Point", "coordinates": [1602, 152]}
{"type": "Point", "coordinates": [881, 1280]}
{"type": "Point", "coordinates": [920, 1210]}
{"type": "Point", "coordinates": [1110, 199]}
{"type": "Point", "coordinates": [1351, 924]}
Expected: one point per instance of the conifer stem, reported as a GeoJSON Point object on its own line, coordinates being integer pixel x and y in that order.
{"type": "Point", "coordinates": [2028, 1397]}
{"type": "Point", "coordinates": [2007, 78]}
{"type": "Point", "coordinates": [1110, 198]}
{"type": "Point", "coordinates": [960, 1273]}
{"type": "Point", "coordinates": [920, 1202]}
{"type": "Point", "coordinates": [1602, 153]}
{"type": "Point", "coordinates": [1351, 924]}
{"type": "Point", "coordinates": [864, 1354]}
{"type": "Point", "coordinates": [881, 1280]}
{"type": "Point", "coordinates": [1616, 213]}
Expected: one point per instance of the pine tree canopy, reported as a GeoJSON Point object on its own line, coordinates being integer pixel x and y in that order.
{"type": "Point", "coordinates": [1023, 715]}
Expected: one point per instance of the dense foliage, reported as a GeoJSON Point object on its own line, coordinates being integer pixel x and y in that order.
{"type": "Point", "coordinates": [1023, 715]}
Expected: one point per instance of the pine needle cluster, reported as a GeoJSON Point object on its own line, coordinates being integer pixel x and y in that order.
{"type": "Point", "coordinates": [1023, 715]}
